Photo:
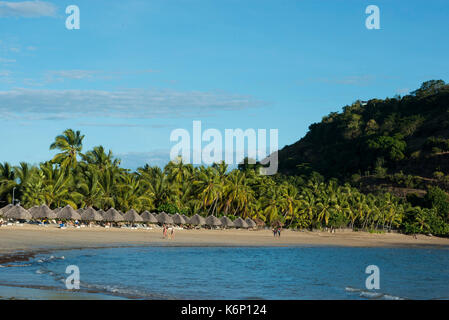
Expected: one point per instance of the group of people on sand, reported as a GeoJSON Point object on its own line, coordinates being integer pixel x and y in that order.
{"type": "Point", "coordinates": [277, 232]}
{"type": "Point", "coordinates": [168, 232]}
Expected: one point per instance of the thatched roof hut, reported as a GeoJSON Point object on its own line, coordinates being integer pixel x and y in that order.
{"type": "Point", "coordinates": [240, 223]}
{"type": "Point", "coordinates": [67, 213]}
{"type": "Point", "coordinates": [42, 212]}
{"type": "Point", "coordinates": [197, 220]}
{"type": "Point", "coordinates": [226, 222]}
{"type": "Point", "coordinates": [80, 211]}
{"type": "Point", "coordinates": [18, 213]}
{"type": "Point", "coordinates": [132, 216]}
{"type": "Point", "coordinates": [90, 214]}
{"type": "Point", "coordinates": [178, 219]}
{"type": "Point", "coordinates": [148, 217]}
{"type": "Point", "coordinates": [112, 215]}
{"type": "Point", "coordinates": [57, 210]}
{"type": "Point", "coordinates": [186, 218]}
{"type": "Point", "coordinates": [250, 222]}
{"type": "Point", "coordinates": [5, 209]}
{"type": "Point", "coordinates": [164, 218]}
{"type": "Point", "coordinates": [33, 209]}
{"type": "Point", "coordinates": [213, 221]}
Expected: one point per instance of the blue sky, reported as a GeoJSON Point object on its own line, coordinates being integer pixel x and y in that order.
{"type": "Point", "coordinates": [138, 69]}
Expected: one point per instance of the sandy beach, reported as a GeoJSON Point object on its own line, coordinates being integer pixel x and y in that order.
{"type": "Point", "coordinates": [26, 239]}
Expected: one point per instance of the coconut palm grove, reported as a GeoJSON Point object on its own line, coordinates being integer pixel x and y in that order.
{"type": "Point", "coordinates": [367, 150]}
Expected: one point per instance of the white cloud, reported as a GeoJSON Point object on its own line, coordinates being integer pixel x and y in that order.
{"type": "Point", "coordinates": [61, 75]}
{"type": "Point", "coordinates": [27, 9]}
{"type": "Point", "coordinates": [129, 103]}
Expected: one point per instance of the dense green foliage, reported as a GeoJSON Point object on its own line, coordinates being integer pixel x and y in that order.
{"type": "Point", "coordinates": [98, 180]}
{"type": "Point", "coordinates": [377, 137]}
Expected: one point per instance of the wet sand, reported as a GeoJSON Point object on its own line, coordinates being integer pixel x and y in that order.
{"type": "Point", "coordinates": [17, 242]}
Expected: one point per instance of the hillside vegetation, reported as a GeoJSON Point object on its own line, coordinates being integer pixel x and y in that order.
{"type": "Point", "coordinates": [399, 144]}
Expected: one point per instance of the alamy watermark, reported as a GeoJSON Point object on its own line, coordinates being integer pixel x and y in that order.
{"type": "Point", "coordinates": [72, 282]}
{"type": "Point", "coordinates": [373, 20]}
{"type": "Point", "coordinates": [219, 149]}
{"type": "Point", "coordinates": [73, 20]}
{"type": "Point", "coordinates": [373, 280]}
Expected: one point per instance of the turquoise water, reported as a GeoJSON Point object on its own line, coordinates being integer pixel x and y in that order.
{"type": "Point", "coordinates": [241, 273]}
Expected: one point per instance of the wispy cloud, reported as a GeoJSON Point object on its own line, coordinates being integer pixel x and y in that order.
{"type": "Point", "coordinates": [27, 9]}
{"type": "Point", "coordinates": [62, 75]}
{"type": "Point", "coordinates": [4, 60]}
{"type": "Point", "coordinates": [129, 103]}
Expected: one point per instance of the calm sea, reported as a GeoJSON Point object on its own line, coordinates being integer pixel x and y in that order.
{"type": "Point", "coordinates": [240, 273]}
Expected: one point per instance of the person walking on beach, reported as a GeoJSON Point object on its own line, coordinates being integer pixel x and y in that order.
{"type": "Point", "coordinates": [274, 232]}
{"type": "Point", "coordinates": [172, 233]}
{"type": "Point", "coordinates": [164, 231]}
{"type": "Point", "coordinates": [279, 232]}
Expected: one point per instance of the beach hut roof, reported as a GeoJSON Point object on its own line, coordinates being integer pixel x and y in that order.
{"type": "Point", "coordinates": [80, 211]}
{"type": "Point", "coordinates": [90, 214]}
{"type": "Point", "coordinates": [164, 218]}
{"type": "Point", "coordinates": [57, 210]}
{"type": "Point", "coordinates": [5, 209]}
{"type": "Point", "coordinates": [112, 215]}
{"type": "Point", "coordinates": [42, 212]}
{"type": "Point", "coordinates": [250, 223]}
{"type": "Point", "coordinates": [132, 216]}
{"type": "Point", "coordinates": [226, 222]}
{"type": "Point", "coordinates": [148, 217]}
{"type": "Point", "coordinates": [213, 221]}
{"type": "Point", "coordinates": [19, 213]}
{"type": "Point", "coordinates": [68, 213]}
{"type": "Point", "coordinates": [240, 223]}
{"type": "Point", "coordinates": [197, 220]}
{"type": "Point", "coordinates": [178, 219]}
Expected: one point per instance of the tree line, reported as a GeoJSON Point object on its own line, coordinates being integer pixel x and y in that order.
{"type": "Point", "coordinates": [95, 178]}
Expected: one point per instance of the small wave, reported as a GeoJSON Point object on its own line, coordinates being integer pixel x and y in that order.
{"type": "Point", "coordinates": [373, 294]}
{"type": "Point", "coordinates": [390, 297]}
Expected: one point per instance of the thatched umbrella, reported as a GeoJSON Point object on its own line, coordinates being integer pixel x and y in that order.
{"type": "Point", "coordinates": [18, 213]}
{"type": "Point", "coordinates": [213, 221]}
{"type": "Point", "coordinates": [226, 222]}
{"type": "Point", "coordinates": [112, 215]}
{"type": "Point", "coordinates": [32, 210]}
{"type": "Point", "coordinates": [90, 214]}
{"type": "Point", "coordinates": [101, 211]}
{"type": "Point", "coordinates": [197, 220]}
{"type": "Point", "coordinates": [67, 213]}
{"type": "Point", "coordinates": [186, 218]}
{"type": "Point", "coordinates": [178, 219]}
{"type": "Point", "coordinates": [42, 212]}
{"type": "Point", "coordinates": [132, 216]}
{"type": "Point", "coordinates": [80, 211]}
{"type": "Point", "coordinates": [250, 222]}
{"type": "Point", "coordinates": [164, 218]}
{"type": "Point", "coordinates": [57, 210]}
{"type": "Point", "coordinates": [148, 217]}
{"type": "Point", "coordinates": [5, 209]}
{"type": "Point", "coordinates": [240, 223]}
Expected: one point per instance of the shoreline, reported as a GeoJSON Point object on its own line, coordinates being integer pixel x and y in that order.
{"type": "Point", "coordinates": [20, 243]}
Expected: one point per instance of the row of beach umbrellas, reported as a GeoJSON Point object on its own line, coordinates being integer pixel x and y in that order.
{"type": "Point", "coordinates": [112, 215]}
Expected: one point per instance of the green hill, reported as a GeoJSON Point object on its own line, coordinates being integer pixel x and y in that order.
{"type": "Point", "coordinates": [402, 142]}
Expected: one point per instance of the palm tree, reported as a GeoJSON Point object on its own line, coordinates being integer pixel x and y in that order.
{"type": "Point", "coordinates": [70, 143]}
